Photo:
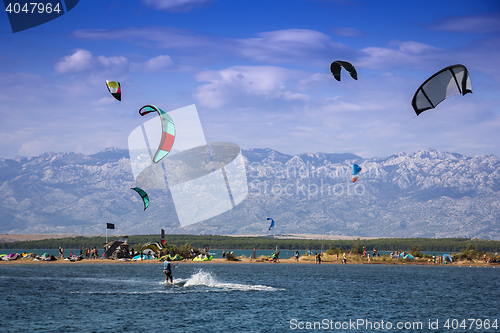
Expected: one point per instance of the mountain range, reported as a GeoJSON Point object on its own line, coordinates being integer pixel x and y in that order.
{"type": "Point", "coordinates": [426, 193]}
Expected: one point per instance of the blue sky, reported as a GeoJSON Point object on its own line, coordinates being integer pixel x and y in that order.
{"type": "Point", "coordinates": [258, 72]}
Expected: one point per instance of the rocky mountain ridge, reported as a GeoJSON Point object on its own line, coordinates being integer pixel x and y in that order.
{"type": "Point", "coordinates": [427, 193]}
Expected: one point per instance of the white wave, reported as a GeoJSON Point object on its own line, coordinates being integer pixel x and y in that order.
{"type": "Point", "coordinates": [176, 282]}
{"type": "Point", "coordinates": [120, 292]}
{"type": "Point", "coordinates": [206, 279]}
{"type": "Point", "coordinates": [200, 279]}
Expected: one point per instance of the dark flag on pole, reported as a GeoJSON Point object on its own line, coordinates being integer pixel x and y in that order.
{"type": "Point", "coordinates": [162, 237]}
{"type": "Point", "coordinates": [110, 226]}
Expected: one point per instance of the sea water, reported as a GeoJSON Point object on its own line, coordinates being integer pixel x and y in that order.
{"type": "Point", "coordinates": [253, 297]}
{"type": "Point", "coordinates": [284, 254]}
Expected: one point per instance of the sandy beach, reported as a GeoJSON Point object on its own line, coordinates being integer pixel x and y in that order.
{"type": "Point", "coordinates": [306, 261]}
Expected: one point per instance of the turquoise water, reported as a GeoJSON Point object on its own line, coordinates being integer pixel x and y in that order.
{"type": "Point", "coordinates": [255, 297]}
{"type": "Point", "coordinates": [284, 254]}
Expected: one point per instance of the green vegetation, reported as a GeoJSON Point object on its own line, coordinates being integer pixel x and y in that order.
{"type": "Point", "coordinates": [470, 252]}
{"type": "Point", "coordinates": [184, 250]}
{"type": "Point", "coordinates": [357, 248]}
{"type": "Point", "coordinates": [263, 259]}
{"type": "Point", "coordinates": [415, 250]}
{"type": "Point", "coordinates": [185, 242]}
{"type": "Point", "coordinates": [334, 250]}
{"type": "Point", "coordinates": [231, 257]}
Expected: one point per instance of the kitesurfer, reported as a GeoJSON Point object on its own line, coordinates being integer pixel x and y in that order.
{"type": "Point", "coordinates": [167, 269]}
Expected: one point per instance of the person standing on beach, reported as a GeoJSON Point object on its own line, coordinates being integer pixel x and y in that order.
{"type": "Point", "coordinates": [61, 252]}
{"type": "Point", "coordinates": [297, 255]}
{"type": "Point", "coordinates": [319, 258]}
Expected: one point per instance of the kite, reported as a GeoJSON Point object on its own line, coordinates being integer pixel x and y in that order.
{"type": "Point", "coordinates": [447, 82]}
{"type": "Point", "coordinates": [112, 246]}
{"type": "Point", "coordinates": [272, 223]}
{"type": "Point", "coordinates": [336, 66]}
{"type": "Point", "coordinates": [143, 195]}
{"type": "Point", "coordinates": [115, 89]}
{"type": "Point", "coordinates": [356, 169]}
{"type": "Point", "coordinates": [168, 131]}
{"type": "Point", "coordinates": [447, 257]}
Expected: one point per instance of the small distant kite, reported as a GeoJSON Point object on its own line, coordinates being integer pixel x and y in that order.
{"type": "Point", "coordinates": [115, 89]}
{"type": "Point", "coordinates": [143, 195]}
{"type": "Point", "coordinates": [447, 82]}
{"type": "Point", "coordinates": [336, 66]}
{"type": "Point", "coordinates": [272, 223]}
{"type": "Point", "coordinates": [356, 169]}
{"type": "Point", "coordinates": [168, 131]}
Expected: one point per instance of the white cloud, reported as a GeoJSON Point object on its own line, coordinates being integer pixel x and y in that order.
{"type": "Point", "coordinates": [300, 46]}
{"type": "Point", "coordinates": [34, 147]}
{"type": "Point", "coordinates": [193, 46]}
{"type": "Point", "coordinates": [349, 115]}
{"type": "Point", "coordinates": [84, 61]}
{"type": "Point", "coordinates": [477, 24]}
{"type": "Point", "coordinates": [108, 100]}
{"type": "Point", "coordinates": [112, 61]}
{"type": "Point", "coordinates": [291, 45]}
{"type": "Point", "coordinates": [314, 80]}
{"type": "Point", "coordinates": [409, 54]}
{"type": "Point", "coordinates": [227, 85]}
{"type": "Point", "coordinates": [310, 48]}
{"type": "Point", "coordinates": [159, 63]}
{"type": "Point", "coordinates": [79, 61]}
{"type": "Point", "coordinates": [177, 5]}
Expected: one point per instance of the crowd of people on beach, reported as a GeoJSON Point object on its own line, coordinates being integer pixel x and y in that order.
{"type": "Point", "coordinates": [490, 260]}
{"type": "Point", "coordinates": [123, 253]}
{"type": "Point", "coordinates": [86, 253]}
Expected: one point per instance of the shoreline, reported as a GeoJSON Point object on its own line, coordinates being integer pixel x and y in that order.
{"type": "Point", "coordinates": [6, 238]}
{"type": "Point", "coordinates": [244, 261]}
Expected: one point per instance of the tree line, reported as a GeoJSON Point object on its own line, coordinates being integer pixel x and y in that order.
{"type": "Point", "coordinates": [265, 243]}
